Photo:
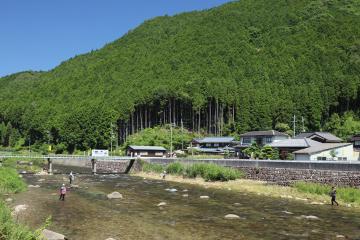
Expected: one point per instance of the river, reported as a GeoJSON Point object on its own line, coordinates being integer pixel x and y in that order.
{"type": "Point", "coordinates": [87, 214]}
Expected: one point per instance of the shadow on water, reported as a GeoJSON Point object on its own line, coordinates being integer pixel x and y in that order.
{"type": "Point", "coordinates": [88, 214]}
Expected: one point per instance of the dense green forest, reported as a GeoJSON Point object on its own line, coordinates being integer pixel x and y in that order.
{"type": "Point", "coordinates": [246, 65]}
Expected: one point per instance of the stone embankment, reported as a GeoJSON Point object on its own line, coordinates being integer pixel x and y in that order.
{"type": "Point", "coordinates": [286, 176]}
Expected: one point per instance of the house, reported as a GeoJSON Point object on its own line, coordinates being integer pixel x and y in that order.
{"type": "Point", "coordinates": [261, 138]}
{"type": "Point", "coordinates": [213, 145]}
{"type": "Point", "coordinates": [355, 140]}
{"type": "Point", "coordinates": [324, 137]}
{"type": "Point", "coordinates": [288, 146]}
{"type": "Point", "coordinates": [146, 151]}
{"type": "Point", "coordinates": [326, 151]}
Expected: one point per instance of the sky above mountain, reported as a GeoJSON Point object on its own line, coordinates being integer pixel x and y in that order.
{"type": "Point", "coordinates": [38, 35]}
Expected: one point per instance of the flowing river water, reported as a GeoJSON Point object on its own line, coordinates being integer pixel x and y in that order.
{"type": "Point", "coordinates": [87, 214]}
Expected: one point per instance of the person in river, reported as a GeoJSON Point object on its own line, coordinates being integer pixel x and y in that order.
{"type": "Point", "coordinates": [163, 175]}
{"type": "Point", "coordinates": [62, 192]}
{"type": "Point", "coordinates": [71, 177]}
{"type": "Point", "coordinates": [333, 196]}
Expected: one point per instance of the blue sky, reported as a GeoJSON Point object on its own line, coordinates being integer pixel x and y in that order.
{"type": "Point", "coordinates": [40, 34]}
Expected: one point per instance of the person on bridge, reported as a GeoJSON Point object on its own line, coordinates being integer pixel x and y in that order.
{"type": "Point", "coordinates": [333, 196]}
{"type": "Point", "coordinates": [62, 192]}
{"type": "Point", "coordinates": [71, 177]}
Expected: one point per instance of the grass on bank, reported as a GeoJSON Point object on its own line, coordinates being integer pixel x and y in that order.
{"type": "Point", "coordinates": [10, 182]}
{"type": "Point", "coordinates": [36, 164]}
{"type": "Point", "coordinates": [209, 172]}
{"type": "Point", "coordinates": [345, 194]}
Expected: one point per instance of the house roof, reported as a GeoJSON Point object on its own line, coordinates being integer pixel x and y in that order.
{"type": "Point", "coordinates": [321, 147]}
{"type": "Point", "coordinates": [214, 150]}
{"type": "Point", "coordinates": [149, 148]}
{"type": "Point", "coordinates": [295, 143]}
{"type": "Point", "coordinates": [214, 140]}
{"type": "Point", "coordinates": [263, 133]}
{"type": "Point", "coordinates": [328, 137]}
{"type": "Point", "coordinates": [356, 137]}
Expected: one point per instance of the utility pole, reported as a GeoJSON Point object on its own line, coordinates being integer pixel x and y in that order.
{"type": "Point", "coordinates": [111, 137]}
{"type": "Point", "coordinates": [171, 139]}
{"type": "Point", "coordinates": [294, 125]}
{"type": "Point", "coordinates": [303, 124]}
{"type": "Point", "coordinates": [182, 135]}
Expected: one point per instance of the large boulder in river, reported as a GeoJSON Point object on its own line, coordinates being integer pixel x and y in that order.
{"type": "Point", "coordinates": [50, 235]}
{"type": "Point", "coordinates": [115, 195]}
{"type": "Point", "coordinates": [19, 208]}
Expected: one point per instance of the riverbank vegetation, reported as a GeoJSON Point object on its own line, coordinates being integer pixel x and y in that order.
{"type": "Point", "coordinates": [207, 171]}
{"type": "Point", "coordinates": [10, 182]}
{"type": "Point", "coordinates": [344, 194]}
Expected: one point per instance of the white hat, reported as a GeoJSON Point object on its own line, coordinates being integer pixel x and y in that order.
{"type": "Point", "coordinates": [63, 184]}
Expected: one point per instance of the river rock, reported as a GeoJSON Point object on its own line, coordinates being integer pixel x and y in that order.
{"type": "Point", "coordinates": [50, 235]}
{"type": "Point", "coordinates": [115, 195]}
{"type": "Point", "coordinates": [204, 197]}
{"type": "Point", "coordinates": [34, 186]}
{"type": "Point", "coordinates": [310, 217]}
{"type": "Point", "coordinates": [161, 204]}
{"type": "Point", "coordinates": [8, 200]}
{"type": "Point", "coordinates": [19, 208]}
{"type": "Point", "coordinates": [41, 180]}
{"type": "Point", "coordinates": [171, 189]}
{"type": "Point", "coordinates": [286, 212]}
{"type": "Point", "coordinates": [232, 216]}
{"type": "Point", "coordinates": [237, 204]}
{"type": "Point", "coordinates": [185, 190]}
{"type": "Point", "coordinates": [317, 203]}
{"type": "Point", "coordinates": [185, 195]}
{"type": "Point", "coordinates": [110, 239]}
{"type": "Point", "coordinates": [340, 236]}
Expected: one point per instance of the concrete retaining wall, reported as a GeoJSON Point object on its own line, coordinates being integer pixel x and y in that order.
{"type": "Point", "coordinates": [102, 166]}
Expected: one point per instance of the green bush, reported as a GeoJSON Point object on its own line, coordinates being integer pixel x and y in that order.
{"type": "Point", "coordinates": [10, 182]}
{"type": "Point", "coordinates": [175, 168]}
{"type": "Point", "coordinates": [152, 167]}
{"type": "Point", "coordinates": [346, 194]}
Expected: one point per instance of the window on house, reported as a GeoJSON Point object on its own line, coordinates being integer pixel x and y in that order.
{"type": "Point", "coordinates": [342, 158]}
{"type": "Point", "coordinates": [321, 158]}
{"type": "Point", "coordinates": [208, 144]}
{"type": "Point", "coordinates": [268, 139]}
{"type": "Point", "coordinates": [216, 144]}
{"type": "Point", "coordinates": [159, 154]}
{"type": "Point", "coordinates": [246, 140]}
{"type": "Point", "coordinates": [143, 153]}
{"type": "Point", "coordinates": [357, 143]}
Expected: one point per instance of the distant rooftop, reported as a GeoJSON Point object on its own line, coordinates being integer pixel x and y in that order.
{"type": "Point", "coordinates": [295, 143]}
{"type": "Point", "coordinates": [214, 140]}
{"type": "Point", "coordinates": [321, 147]}
{"type": "Point", "coordinates": [150, 148]}
{"type": "Point", "coordinates": [326, 136]}
{"type": "Point", "coordinates": [263, 133]}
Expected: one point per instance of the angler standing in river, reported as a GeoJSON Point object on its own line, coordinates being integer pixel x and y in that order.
{"type": "Point", "coordinates": [62, 192]}
{"type": "Point", "coordinates": [71, 177]}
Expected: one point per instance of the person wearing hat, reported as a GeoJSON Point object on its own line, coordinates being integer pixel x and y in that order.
{"type": "Point", "coordinates": [62, 192]}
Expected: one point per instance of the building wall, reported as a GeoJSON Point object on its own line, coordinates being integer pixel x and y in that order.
{"type": "Point", "coordinates": [346, 151]}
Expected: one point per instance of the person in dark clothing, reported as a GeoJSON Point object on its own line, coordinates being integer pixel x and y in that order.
{"type": "Point", "coordinates": [62, 192]}
{"type": "Point", "coordinates": [71, 177]}
{"type": "Point", "coordinates": [333, 196]}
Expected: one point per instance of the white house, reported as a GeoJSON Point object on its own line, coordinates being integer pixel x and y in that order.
{"type": "Point", "coordinates": [326, 151]}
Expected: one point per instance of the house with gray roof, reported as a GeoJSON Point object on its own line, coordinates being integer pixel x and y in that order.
{"type": "Point", "coordinates": [326, 151]}
{"type": "Point", "coordinates": [213, 145]}
{"type": "Point", "coordinates": [288, 146]}
{"type": "Point", "coordinates": [324, 137]}
{"type": "Point", "coordinates": [261, 138]}
{"type": "Point", "coordinates": [145, 151]}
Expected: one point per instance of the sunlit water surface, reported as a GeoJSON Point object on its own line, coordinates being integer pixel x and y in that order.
{"type": "Point", "coordinates": [88, 214]}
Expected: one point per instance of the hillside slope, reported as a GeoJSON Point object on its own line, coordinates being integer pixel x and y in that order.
{"type": "Point", "coordinates": [244, 65]}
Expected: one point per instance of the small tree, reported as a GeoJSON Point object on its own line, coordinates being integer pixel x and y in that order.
{"type": "Point", "coordinates": [253, 151]}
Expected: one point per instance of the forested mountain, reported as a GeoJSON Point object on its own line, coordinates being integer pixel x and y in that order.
{"type": "Point", "coordinates": [245, 65]}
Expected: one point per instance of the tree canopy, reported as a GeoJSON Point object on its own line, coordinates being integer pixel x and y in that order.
{"type": "Point", "coordinates": [246, 65]}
